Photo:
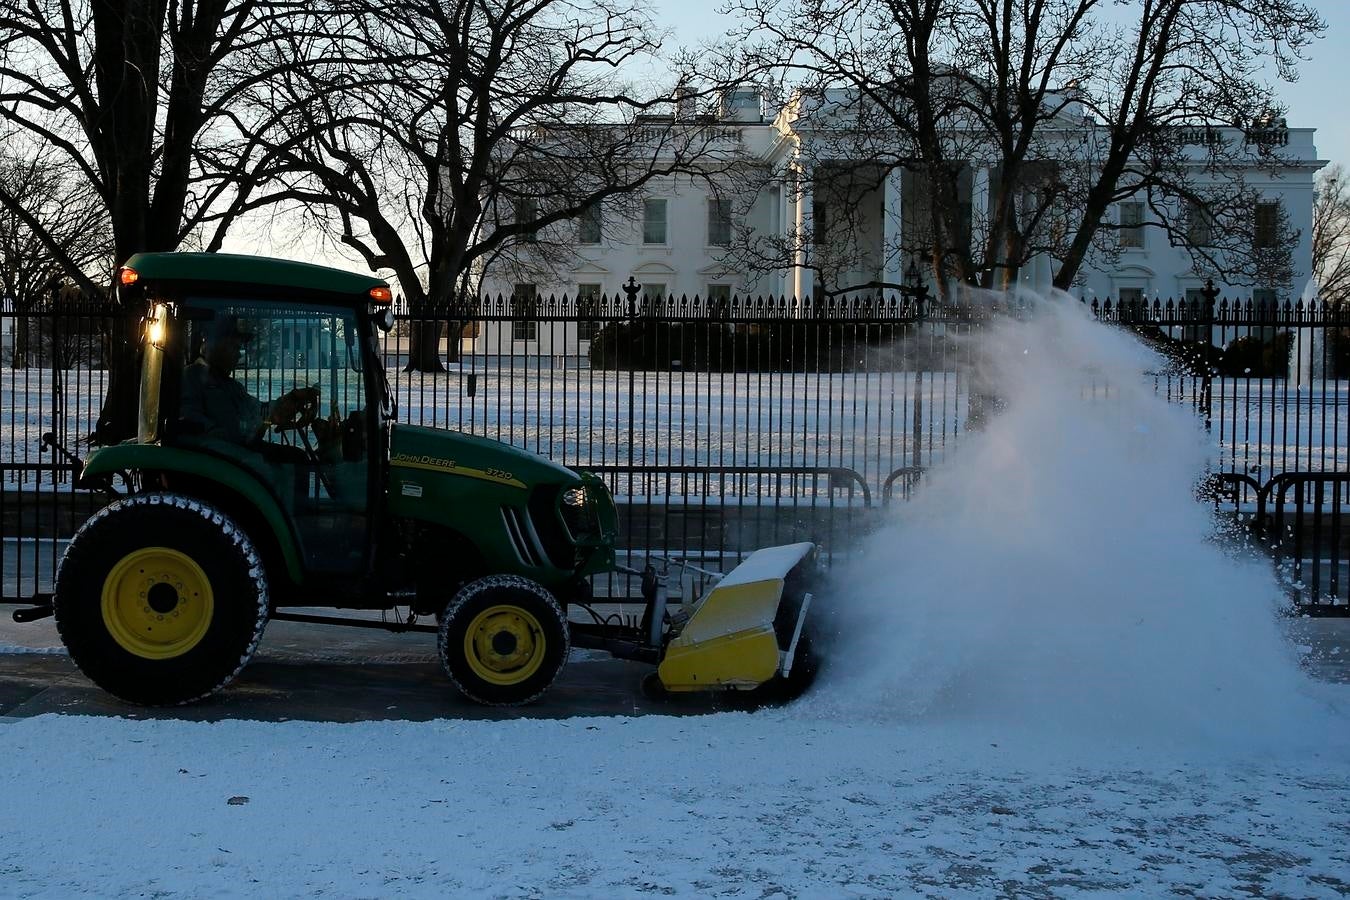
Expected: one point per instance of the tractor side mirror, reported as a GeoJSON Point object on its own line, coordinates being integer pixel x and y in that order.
{"type": "Point", "coordinates": [384, 320]}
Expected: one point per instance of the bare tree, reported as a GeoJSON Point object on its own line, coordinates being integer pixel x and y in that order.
{"type": "Point", "coordinates": [1187, 65]}
{"type": "Point", "coordinates": [449, 135]}
{"type": "Point", "coordinates": [1331, 235]}
{"type": "Point", "coordinates": [123, 91]}
{"type": "Point", "coordinates": [1057, 108]}
{"type": "Point", "coordinates": [65, 212]}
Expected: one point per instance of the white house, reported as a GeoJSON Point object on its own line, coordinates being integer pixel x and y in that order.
{"type": "Point", "coordinates": [676, 240]}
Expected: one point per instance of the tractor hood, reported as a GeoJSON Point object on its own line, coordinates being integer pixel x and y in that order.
{"type": "Point", "coordinates": [522, 513]}
{"type": "Point", "coordinates": [453, 453]}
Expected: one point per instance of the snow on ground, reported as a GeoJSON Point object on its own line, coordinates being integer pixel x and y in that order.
{"type": "Point", "coordinates": [1028, 693]}
{"type": "Point", "coordinates": [861, 421]}
{"type": "Point", "coordinates": [775, 803]}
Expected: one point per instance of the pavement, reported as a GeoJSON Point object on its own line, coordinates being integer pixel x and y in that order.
{"type": "Point", "coordinates": [329, 673]}
{"type": "Point", "coordinates": [325, 673]}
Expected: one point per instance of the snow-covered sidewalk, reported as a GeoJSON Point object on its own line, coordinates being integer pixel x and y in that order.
{"type": "Point", "coordinates": [774, 803]}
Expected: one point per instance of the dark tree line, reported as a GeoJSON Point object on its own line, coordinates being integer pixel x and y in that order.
{"type": "Point", "coordinates": [428, 138]}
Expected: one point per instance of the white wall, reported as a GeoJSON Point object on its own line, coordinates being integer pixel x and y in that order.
{"type": "Point", "coordinates": [687, 265]}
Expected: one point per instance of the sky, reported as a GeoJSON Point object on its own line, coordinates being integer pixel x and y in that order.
{"type": "Point", "coordinates": [1317, 100]}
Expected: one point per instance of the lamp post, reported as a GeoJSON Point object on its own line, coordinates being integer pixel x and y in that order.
{"type": "Point", "coordinates": [915, 287]}
{"type": "Point", "coordinates": [917, 292]}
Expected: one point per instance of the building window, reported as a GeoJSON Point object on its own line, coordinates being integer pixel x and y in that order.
{"type": "Point", "coordinates": [653, 298]}
{"type": "Point", "coordinates": [820, 223]}
{"type": "Point", "coordinates": [527, 211]}
{"type": "Point", "coordinates": [1266, 234]}
{"type": "Point", "coordinates": [1266, 301]}
{"type": "Point", "coordinates": [1131, 295]}
{"type": "Point", "coordinates": [524, 302]}
{"type": "Point", "coordinates": [1132, 224]}
{"type": "Point", "coordinates": [654, 221]}
{"type": "Point", "coordinates": [588, 226]}
{"type": "Point", "coordinates": [1199, 225]}
{"type": "Point", "coordinates": [719, 293]}
{"type": "Point", "coordinates": [588, 302]}
{"type": "Point", "coordinates": [719, 222]}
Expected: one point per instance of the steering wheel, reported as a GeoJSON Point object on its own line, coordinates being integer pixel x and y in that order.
{"type": "Point", "coordinates": [297, 409]}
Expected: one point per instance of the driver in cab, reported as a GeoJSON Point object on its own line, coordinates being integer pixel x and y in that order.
{"type": "Point", "coordinates": [215, 405]}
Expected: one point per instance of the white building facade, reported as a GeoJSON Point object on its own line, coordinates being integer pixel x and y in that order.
{"type": "Point", "coordinates": [677, 241]}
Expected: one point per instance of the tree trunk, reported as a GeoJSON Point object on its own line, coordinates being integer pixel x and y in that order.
{"type": "Point", "coordinates": [117, 418]}
{"type": "Point", "coordinates": [18, 358]}
{"type": "Point", "coordinates": [1081, 244]}
{"type": "Point", "coordinates": [424, 346]}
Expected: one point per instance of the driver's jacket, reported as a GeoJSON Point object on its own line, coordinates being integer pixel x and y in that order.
{"type": "Point", "coordinates": [219, 405]}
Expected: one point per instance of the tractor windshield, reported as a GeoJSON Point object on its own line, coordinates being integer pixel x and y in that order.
{"type": "Point", "coordinates": [279, 389]}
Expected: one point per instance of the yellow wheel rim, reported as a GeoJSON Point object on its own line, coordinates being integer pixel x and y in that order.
{"type": "Point", "coordinates": [504, 645]}
{"type": "Point", "coordinates": [157, 603]}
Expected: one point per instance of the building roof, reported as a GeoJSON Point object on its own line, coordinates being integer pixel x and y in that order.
{"type": "Point", "coordinates": [226, 268]}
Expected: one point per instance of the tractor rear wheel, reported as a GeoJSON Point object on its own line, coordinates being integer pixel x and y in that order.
{"type": "Point", "coordinates": [161, 599]}
{"type": "Point", "coordinates": [503, 639]}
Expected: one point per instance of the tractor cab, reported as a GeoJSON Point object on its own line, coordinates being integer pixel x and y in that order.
{"type": "Point", "coordinates": [269, 366]}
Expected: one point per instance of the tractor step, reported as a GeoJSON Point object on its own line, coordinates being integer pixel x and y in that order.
{"type": "Point", "coordinates": [351, 623]}
{"type": "Point", "coordinates": [32, 614]}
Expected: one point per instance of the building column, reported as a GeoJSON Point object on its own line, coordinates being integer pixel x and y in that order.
{"type": "Point", "coordinates": [803, 282]}
{"type": "Point", "coordinates": [892, 228]}
{"type": "Point", "coordinates": [782, 226]}
{"type": "Point", "coordinates": [979, 209]}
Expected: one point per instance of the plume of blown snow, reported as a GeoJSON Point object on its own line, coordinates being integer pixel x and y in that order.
{"type": "Point", "coordinates": [1059, 572]}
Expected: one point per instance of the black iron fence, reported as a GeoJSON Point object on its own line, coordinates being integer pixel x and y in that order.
{"type": "Point", "coordinates": [728, 423]}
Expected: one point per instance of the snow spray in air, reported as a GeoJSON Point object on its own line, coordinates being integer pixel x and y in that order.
{"type": "Point", "coordinates": [1058, 571]}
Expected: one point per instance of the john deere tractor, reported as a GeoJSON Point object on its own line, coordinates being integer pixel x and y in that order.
{"type": "Point", "coordinates": [269, 475]}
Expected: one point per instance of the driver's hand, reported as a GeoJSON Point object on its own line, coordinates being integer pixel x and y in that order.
{"type": "Point", "coordinates": [329, 430]}
{"type": "Point", "coordinates": [287, 408]}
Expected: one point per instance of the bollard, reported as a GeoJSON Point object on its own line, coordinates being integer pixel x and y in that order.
{"type": "Point", "coordinates": [472, 387]}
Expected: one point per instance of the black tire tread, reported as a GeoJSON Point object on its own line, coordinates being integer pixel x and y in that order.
{"type": "Point", "coordinates": [468, 594]}
{"type": "Point", "coordinates": [89, 535]}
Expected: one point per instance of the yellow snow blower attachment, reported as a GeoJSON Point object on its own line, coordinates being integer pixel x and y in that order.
{"type": "Point", "coordinates": [747, 631]}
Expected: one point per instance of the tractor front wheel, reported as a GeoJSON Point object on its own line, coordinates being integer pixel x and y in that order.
{"type": "Point", "coordinates": [161, 599]}
{"type": "Point", "coordinates": [503, 639]}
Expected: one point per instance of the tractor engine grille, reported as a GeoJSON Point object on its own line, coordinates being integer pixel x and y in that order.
{"type": "Point", "coordinates": [558, 544]}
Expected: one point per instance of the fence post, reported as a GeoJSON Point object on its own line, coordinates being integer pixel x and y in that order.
{"type": "Point", "coordinates": [1210, 293]}
{"type": "Point", "coordinates": [917, 290]}
{"type": "Point", "coordinates": [631, 288]}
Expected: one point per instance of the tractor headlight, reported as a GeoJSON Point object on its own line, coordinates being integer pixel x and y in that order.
{"type": "Point", "coordinates": [154, 323]}
{"type": "Point", "coordinates": [574, 497]}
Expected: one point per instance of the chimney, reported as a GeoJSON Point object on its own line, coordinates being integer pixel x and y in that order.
{"type": "Point", "coordinates": [686, 103]}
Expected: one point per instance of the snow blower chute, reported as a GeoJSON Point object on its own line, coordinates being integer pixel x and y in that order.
{"type": "Point", "coordinates": [747, 631]}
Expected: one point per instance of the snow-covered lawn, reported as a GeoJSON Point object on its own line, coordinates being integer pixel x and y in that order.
{"type": "Point", "coordinates": [1044, 679]}
{"type": "Point", "coordinates": [860, 421]}
{"type": "Point", "coordinates": [775, 803]}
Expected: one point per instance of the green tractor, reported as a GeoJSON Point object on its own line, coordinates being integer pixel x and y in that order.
{"type": "Point", "coordinates": [269, 476]}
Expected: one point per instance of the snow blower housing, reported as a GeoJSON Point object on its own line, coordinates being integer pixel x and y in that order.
{"type": "Point", "coordinates": [269, 475]}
